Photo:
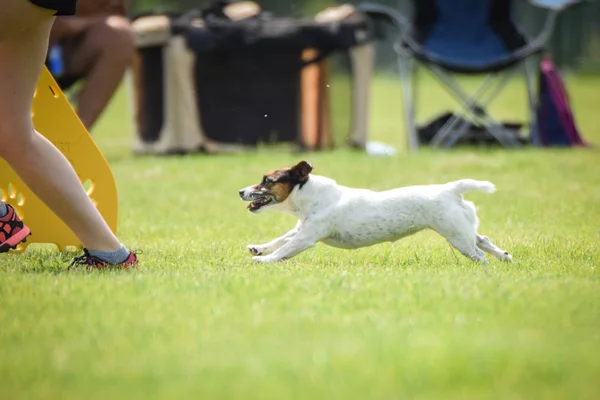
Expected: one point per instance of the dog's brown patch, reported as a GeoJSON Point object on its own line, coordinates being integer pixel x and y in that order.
{"type": "Point", "coordinates": [278, 184]}
{"type": "Point", "coordinates": [282, 190]}
{"type": "Point", "coordinates": [281, 182]}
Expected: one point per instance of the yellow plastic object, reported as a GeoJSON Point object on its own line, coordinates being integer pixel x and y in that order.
{"type": "Point", "coordinates": [54, 117]}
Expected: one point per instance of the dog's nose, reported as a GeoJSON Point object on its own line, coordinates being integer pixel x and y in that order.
{"type": "Point", "coordinates": [241, 193]}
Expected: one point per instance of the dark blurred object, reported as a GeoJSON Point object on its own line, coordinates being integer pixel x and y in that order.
{"type": "Point", "coordinates": [102, 7]}
{"type": "Point", "coordinates": [232, 76]}
{"type": "Point", "coordinates": [476, 134]}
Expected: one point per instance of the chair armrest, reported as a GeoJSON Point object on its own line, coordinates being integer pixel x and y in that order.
{"type": "Point", "coordinates": [553, 7]}
{"type": "Point", "coordinates": [543, 36]}
{"type": "Point", "coordinates": [557, 5]}
{"type": "Point", "coordinates": [380, 12]}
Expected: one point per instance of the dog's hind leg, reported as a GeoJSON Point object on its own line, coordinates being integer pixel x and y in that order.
{"type": "Point", "coordinates": [485, 244]}
{"type": "Point", "coordinates": [461, 234]}
{"type": "Point", "coordinates": [466, 245]}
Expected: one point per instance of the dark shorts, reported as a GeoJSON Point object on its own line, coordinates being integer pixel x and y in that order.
{"type": "Point", "coordinates": [62, 7]}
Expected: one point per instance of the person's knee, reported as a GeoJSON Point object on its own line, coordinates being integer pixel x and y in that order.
{"type": "Point", "coordinates": [16, 135]}
{"type": "Point", "coordinates": [115, 35]}
{"type": "Point", "coordinates": [122, 34]}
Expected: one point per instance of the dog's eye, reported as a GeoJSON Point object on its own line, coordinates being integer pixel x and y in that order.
{"type": "Point", "coordinates": [267, 181]}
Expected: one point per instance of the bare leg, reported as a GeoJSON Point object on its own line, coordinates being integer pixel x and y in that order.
{"type": "Point", "coordinates": [101, 57]}
{"type": "Point", "coordinates": [36, 160]}
{"type": "Point", "coordinates": [485, 244]}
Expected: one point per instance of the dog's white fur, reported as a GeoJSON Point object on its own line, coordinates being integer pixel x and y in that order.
{"type": "Point", "coordinates": [350, 218]}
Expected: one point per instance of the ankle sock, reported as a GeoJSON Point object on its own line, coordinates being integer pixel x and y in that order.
{"type": "Point", "coordinates": [112, 257]}
{"type": "Point", "coordinates": [3, 209]}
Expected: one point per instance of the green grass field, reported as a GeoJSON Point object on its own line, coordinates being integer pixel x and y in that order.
{"type": "Point", "coordinates": [410, 320]}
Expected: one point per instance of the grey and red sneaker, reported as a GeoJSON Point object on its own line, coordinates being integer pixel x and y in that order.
{"type": "Point", "coordinates": [12, 230]}
{"type": "Point", "coordinates": [91, 262]}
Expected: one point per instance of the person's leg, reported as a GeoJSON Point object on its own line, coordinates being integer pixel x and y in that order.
{"type": "Point", "coordinates": [36, 160]}
{"type": "Point", "coordinates": [100, 57]}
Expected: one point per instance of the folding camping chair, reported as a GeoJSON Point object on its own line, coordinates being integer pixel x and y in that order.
{"type": "Point", "coordinates": [467, 37]}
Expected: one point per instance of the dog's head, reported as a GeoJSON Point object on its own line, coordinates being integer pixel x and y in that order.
{"type": "Point", "coordinates": [276, 186]}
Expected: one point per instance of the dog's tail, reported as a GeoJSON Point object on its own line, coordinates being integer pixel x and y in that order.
{"type": "Point", "coordinates": [465, 185]}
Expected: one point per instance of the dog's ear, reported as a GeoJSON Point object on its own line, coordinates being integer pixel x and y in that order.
{"type": "Point", "coordinates": [301, 170]}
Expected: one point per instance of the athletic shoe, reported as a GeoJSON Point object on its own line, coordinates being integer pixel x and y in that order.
{"type": "Point", "coordinates": [94, 262]}
{"type": "Point", "coordinates": [12, 230]}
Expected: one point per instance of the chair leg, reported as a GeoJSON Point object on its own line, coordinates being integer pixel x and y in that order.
{"type": "Point", "coordinates": [474, 105]}
{"type": "Point", "coordinates": [446, 137]}
{"type": "Point", "coordinates": [406, 67]}
{"type": "Point", "coordinates": [530, 80]}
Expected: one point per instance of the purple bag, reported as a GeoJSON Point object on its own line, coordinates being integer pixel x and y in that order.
{"type": "Point", "coordinates": [555, 120]}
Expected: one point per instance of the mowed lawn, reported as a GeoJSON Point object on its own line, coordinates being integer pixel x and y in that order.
{"type": "Point", "coordinates": [413, 319]}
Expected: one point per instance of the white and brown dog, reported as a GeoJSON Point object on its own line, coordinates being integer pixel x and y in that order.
{"type": "Point", "coordinates": [350, 218]}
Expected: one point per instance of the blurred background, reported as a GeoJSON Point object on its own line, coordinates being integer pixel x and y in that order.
{"type": "Point", "coordinates": [184, 85]}
{"type": "Point", "coordinates": [575, 43]}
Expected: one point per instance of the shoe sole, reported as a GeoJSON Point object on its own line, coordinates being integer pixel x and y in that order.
{"type": "Point", "coordinates": [15, 240]}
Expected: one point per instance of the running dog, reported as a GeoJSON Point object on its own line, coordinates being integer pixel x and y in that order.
{"type": "Point", "coordinates": [351, 218]}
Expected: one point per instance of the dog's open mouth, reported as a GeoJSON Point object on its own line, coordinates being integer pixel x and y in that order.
{"type": "Point", "coordinates": [259, 202]}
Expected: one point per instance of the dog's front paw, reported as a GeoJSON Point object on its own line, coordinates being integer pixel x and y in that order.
{"type": "Point", "coordinates": [255, 250]}
{"type": "Point", "coordinates": [264, 259]}
{"type": "Point", "coordinates": [507, 257]}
